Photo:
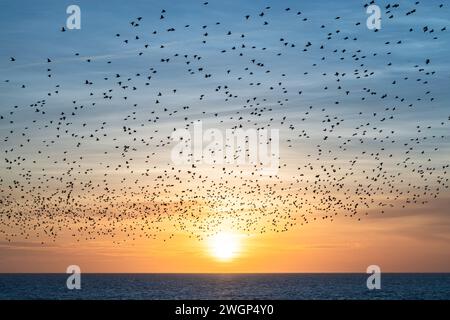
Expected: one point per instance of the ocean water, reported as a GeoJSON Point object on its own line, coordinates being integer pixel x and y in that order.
{"type": "Point", "coordinates": [225, 286]}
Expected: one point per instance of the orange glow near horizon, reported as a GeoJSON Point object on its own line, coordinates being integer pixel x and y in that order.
{"type": "Point", "coordinates": [400, 244]}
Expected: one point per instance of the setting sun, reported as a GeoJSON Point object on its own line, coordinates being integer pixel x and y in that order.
{"type": "Point", "coordinates": [224, 246]}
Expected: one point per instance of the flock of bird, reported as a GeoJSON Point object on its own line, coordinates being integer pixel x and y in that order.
{"type": "Point", "coordinates": [75, 168]}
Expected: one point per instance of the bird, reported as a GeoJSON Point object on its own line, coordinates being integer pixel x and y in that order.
{"type": "Point", "coordinates": [87, 146]}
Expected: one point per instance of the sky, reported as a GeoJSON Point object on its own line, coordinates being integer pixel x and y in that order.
{"type": "Point", "coordinates": [86, 175]}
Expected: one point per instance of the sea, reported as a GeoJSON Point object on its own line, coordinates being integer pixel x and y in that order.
{"type": "Point", "coordinates": [394, 286]}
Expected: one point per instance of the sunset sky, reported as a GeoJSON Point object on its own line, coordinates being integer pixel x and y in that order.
{"type": "Point", "coordinates": [94, 185]}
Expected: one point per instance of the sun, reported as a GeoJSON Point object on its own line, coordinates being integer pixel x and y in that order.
{"type": "Point", "coordinates": [224, 246]}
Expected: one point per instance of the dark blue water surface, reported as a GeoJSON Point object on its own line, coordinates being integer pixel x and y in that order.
{"type": "Point", "coordinates": [225, 286]}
